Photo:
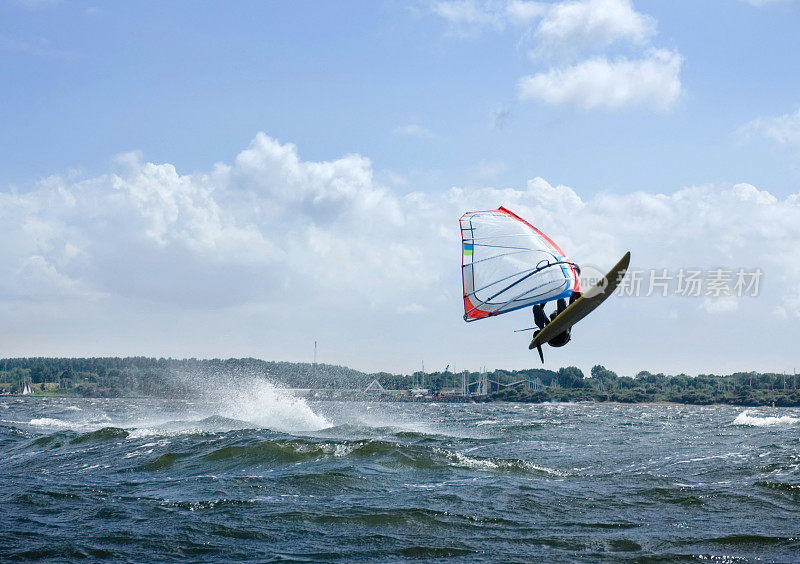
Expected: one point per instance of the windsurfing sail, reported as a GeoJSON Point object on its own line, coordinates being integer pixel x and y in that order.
{"type": "Point", "coordinates": [508, 264]}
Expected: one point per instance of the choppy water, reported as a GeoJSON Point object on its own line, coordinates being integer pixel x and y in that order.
{"type": "Point", "coordinates": [258, 475]}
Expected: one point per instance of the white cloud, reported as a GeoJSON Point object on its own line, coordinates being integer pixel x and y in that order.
{"type": "Point", "coordinates": [36, 278]}
{"type": "Point", "coordinates": [274, 225]}
{"type": "Point", "coordinates": [568, 26]}
{"type": "Point", "coordinates": [591, 24]}
{"type": "Point", "coordinates": [467, 17]}
{"type": "Point", "coordinates": [413, 130]}
{"type": "Point", "coordinates": [722, 304]}
{"type": "Point", "coordinates": [292, 244]}
{"type": "Point", "coordinates": [570, 30]}
{"type": "Point", "coordinates": [573, 23]}
{"type": "Point", "coordinates": [600, 83]}
{"type": "Point", "coordinates": [523, 12]}
{"type": "Point", "coordinates": [784, 129]}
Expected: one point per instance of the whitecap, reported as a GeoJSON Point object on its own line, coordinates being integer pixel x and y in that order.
{"type": "Point", "coordinates": [747, 420]}
{"type": "Point", "coordinates": [460, 460]}
{"type": "Point", "coordinates": [262, 403]}
{"type": "Point", "coordinates": [50, 422]}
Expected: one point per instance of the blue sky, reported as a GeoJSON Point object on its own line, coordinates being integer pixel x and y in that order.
{"type": "Point", "coordinates": [606, 97]}
{"type": "Point", "coordinates": [190, 83]}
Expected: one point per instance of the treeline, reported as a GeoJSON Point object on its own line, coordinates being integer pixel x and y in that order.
{"type": "Point", "coordinates": [166, 377]}
{"type": "Point", "coordinates": [741, 388]}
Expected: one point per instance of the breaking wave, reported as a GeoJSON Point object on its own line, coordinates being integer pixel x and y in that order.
{"type": "Point", "coordinates": [746, 420]}
{"type": "Point", "coordinates": [385, 454]}
{"type": "Point", "coordinates": [227, 403]}
{"type": "Point", "coordinates": [261, 402]}
{"type": "Point", "coordinates": [51, 422]}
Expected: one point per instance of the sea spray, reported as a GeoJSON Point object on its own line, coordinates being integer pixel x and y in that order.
{"type": "Point", "coordinates": [248, 397]}
{"type": "Point", "coordinates": [259, 401]}
{"type": "Point", "coordinates": [747, 420]}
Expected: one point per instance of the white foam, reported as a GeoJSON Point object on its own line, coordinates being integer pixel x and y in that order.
{"type": "Point", "coordinates": [747, 420]}
{"type": "Point", "coordinates": [259, 401]}
{"type": "Point", "coordinates": [463, 461]}
{"type": "Point", "coordinates": [50, 422]}
{"type": "Point", "coordinates": [143, 432]}
{"type": "Point", "coordinates": [341, 450]}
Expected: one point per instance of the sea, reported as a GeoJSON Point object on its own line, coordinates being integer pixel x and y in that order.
{"type": "Point", "coordinates": [255, 473]}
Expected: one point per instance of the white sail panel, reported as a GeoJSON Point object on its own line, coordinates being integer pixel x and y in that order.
{"type": "Point", "coordinates": [508, 264]}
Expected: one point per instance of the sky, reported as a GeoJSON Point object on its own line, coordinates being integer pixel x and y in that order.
{"type": "Point", "coordinates": [207, 179]}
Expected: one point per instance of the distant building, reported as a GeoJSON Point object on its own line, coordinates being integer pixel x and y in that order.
{"type": "Point", "coordinates": [374, 388]}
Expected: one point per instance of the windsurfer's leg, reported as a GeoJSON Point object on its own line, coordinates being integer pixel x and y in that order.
{"type": "Point", "coordinates": [539, 316]}
{"type": "Point", "coordinates": [562, 338]}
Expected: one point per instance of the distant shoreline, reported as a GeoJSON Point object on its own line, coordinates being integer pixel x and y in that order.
{"type": "Point", "coordinates": [401, 398]}
{"type": "Point", "coordinates": [138, 377]}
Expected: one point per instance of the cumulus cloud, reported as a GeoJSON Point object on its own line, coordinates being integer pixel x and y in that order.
{"type": "Point", "coordinates": [591, 24]}
{"type": "Point", "coordinates": [269, 225]}
{"type": "Point", "coordinates": [600, 83]}
{"type": "Point", "coordinates": [783, 129]}
{"type": "Point", "coordinates": [272, 232]}
{"type": "Point", "coordinates": [577, 35]}
{"type": "Point", "coordinates": [571, 23]}
{"type": "Point", "coordinates": [524, 11]}
{"type": "Point", "coordinates": [273, 226]}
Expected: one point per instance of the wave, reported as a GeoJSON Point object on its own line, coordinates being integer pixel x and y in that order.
{"type": "Point", "coordinates": [253, 404]}
{"type": "Point", "coordinates": [56, 440]}
{"type": "Point", "coordinates": [385, 453]}
{"type": "Point", "coordinates": [104, 434]}
{"type": "Point", "coordinates": [746, 420]}
{"type": "Point", "coordinates": [409, 517]}
{"type": "Point", "coordinates": [260, 402]}
{"type": "Point", "coordinates": [267, 451]}
{"type": "Point", "coordinates": [229, 403]}
{"type": "Point", "coordinates": [51, 422]}
{"type": "Point", "coordinates": [507, 464]}
{"type": "Point", "coordinates": [163, 462]}
{"type": "Point", "coordinates": [209, 425]}
{"type": "Point", "coordinates": [743, 539]}
{"type": "Point", "coordinates": [781, 487]}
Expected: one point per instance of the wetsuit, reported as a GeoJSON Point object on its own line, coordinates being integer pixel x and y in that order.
{"type": "Point", "coordinates": [541, 320]}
